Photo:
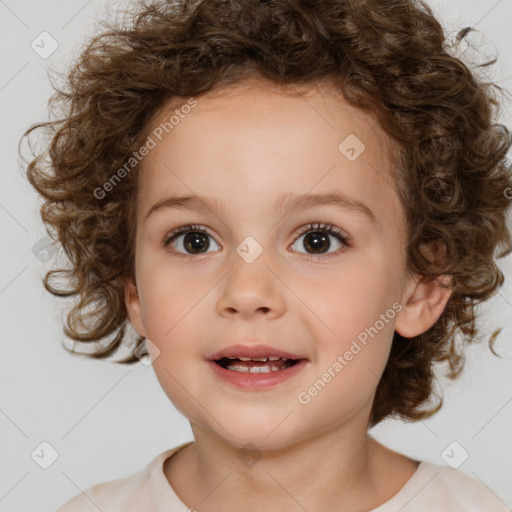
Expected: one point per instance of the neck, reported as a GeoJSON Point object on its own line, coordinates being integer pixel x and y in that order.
{"type": "Point", "coordinates": [338, 466]}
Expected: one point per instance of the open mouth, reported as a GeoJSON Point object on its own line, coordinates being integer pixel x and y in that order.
{"type": "Point", "coordinates": [256, 365]}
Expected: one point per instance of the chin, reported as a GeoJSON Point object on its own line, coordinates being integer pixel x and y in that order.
{"type": "Point", "coordinates": [263, 436]}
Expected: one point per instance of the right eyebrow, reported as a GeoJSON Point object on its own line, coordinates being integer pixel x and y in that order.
{"type": "Point", "coordinates": [185, 203]}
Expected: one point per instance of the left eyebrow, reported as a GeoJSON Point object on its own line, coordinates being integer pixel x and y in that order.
{"type": "Point", "coordinates": [291, 203]}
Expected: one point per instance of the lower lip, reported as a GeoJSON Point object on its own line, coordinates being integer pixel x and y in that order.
{"type": "Point", "coordinates": [254, 381]}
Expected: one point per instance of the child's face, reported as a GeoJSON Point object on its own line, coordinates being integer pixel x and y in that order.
{"type": "Point", "coordinates": [247, 149]}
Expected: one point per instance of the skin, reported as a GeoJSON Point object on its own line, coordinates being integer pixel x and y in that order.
{"type": "Point", "coordinates": [247, 146]}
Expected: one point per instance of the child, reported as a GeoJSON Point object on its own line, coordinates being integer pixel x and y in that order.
{"type": "Point", "coordinates": [297, 205]}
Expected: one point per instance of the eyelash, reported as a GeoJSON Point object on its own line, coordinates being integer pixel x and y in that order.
{"type": "Point", "coordinates": [326, 228]}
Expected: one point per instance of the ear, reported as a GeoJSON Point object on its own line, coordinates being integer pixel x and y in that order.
{"type": "Point", "coordinates": [133, 307]}
{"type": "Point", "coordinates": [423, 305]}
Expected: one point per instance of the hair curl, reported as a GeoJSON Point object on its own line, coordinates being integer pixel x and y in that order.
{"type": "Point", "coordinates": [388, 57]}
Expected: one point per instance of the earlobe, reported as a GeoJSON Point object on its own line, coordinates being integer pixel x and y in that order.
{"type": "Point", "coordinates": [133, 307]}
{"type": "Point", "coordinates": [424, 306]}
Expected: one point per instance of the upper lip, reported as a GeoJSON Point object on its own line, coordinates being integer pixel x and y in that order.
{"type": "Point", "coordinates": [253, 351]}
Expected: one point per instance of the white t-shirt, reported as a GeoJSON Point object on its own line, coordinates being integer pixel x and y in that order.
{"type": "Point", "coordinates": [432, 488]}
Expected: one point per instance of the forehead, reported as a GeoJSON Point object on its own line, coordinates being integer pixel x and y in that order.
{"type": "Point", "coordinates": [249, 144]}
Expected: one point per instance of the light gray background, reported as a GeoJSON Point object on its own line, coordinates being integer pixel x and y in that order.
{"type": "Point", "coordinates": [107, 421]}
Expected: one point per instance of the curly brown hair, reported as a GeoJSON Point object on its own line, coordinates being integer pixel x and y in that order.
{"type": "Point", "coordinates": [388, 57]}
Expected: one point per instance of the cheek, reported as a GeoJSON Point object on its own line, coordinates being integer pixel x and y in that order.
{"type": "Point", "coordinates": [172, 301]}
{"type": "Point", "coordinates": [167, 297]}
{"type": "Point", "coordinates": [352, 315]}
{"type": "Point", "coordinates": [348, 299]}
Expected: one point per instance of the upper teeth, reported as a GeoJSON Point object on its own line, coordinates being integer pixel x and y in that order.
{"type": "Point", "coordinates": [263, 359]}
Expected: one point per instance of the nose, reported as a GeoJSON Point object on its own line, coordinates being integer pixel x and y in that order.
{"type": "Point", "coordinates": [251, 289]}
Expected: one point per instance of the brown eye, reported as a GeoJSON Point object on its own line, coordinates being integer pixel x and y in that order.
{"type": "Point", "coordinates": [189, 240]}
{"type": "Point", "coordinates": [317, 242]}
{"type": "Point", "coordinates": [317, 239]}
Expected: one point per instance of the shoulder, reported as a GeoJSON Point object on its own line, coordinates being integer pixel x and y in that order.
{"type": "Point", "coordinates": [99, 496]}
{"type": "Point", "coordinates": [458, 488]}
{"type": "Point", "coordinates": [436, 487]}
{"type": "Point", "coordinates": [136, 492]}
